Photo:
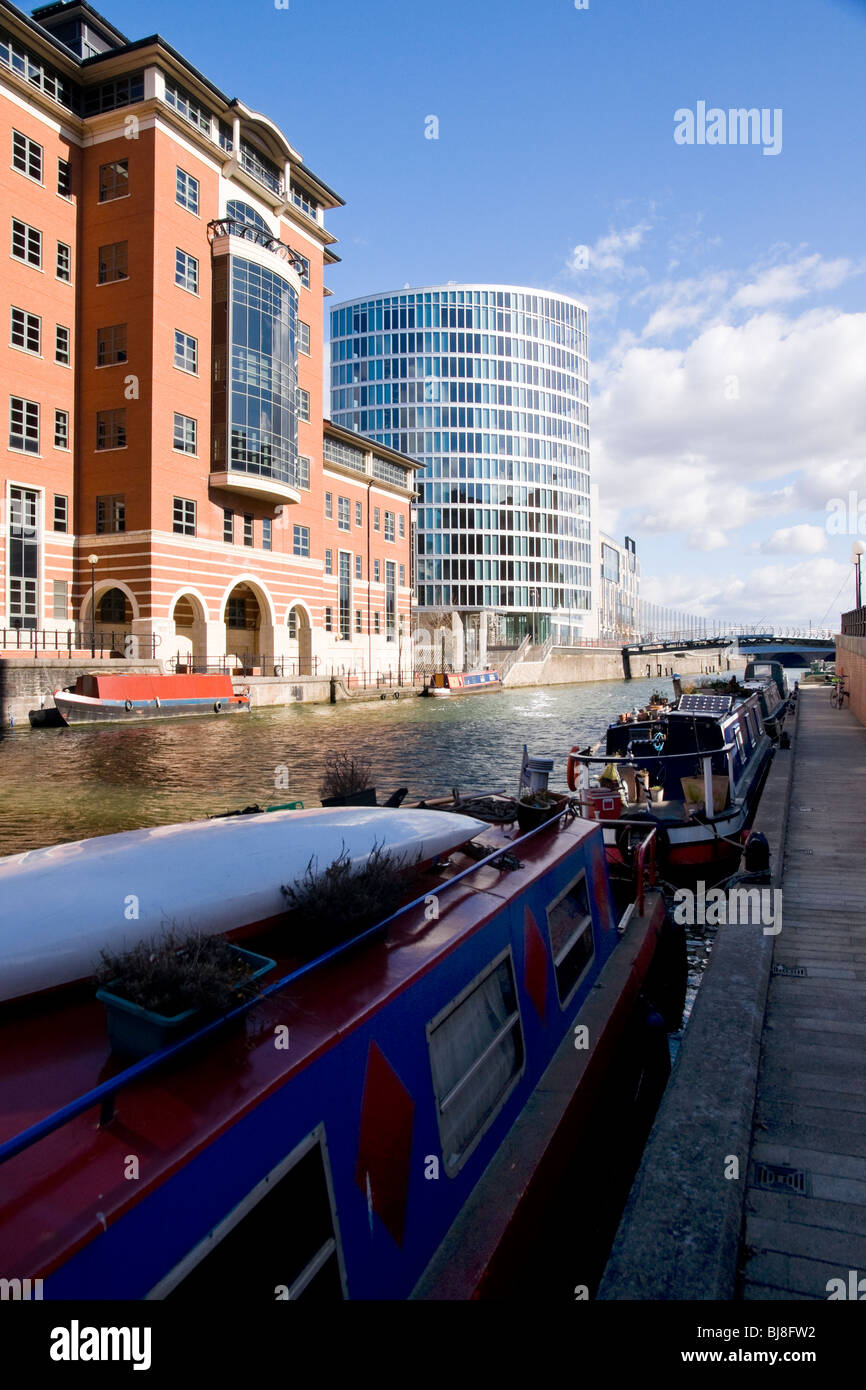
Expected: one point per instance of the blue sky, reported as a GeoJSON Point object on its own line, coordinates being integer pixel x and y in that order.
{"type": "Point", "coordinates": [726, 286]}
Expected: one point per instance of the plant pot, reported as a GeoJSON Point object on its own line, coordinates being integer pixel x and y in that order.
{"type": "Point", "coordinates": [365, 798]}
{"type": "Point", "coordinates": [136, 1031]}
{"type": "Point", "coordinates": [530, 817]}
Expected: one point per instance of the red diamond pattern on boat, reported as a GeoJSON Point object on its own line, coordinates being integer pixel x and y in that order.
{"type": "Point", "coordinates": [384, 1148]}
{"type": "Point", "coordinates": [535, 964]}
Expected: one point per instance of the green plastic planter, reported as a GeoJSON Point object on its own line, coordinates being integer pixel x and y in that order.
{"type": "Point", "coordinates": [136, 1032]}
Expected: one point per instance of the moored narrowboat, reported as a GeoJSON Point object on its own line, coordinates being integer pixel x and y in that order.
{"type": "Point", "coordinates": [98, 699]}
{"type": "Point", "coordinates": [463, 683]}
{"type": "Point", "coordinates": [334, 1138]}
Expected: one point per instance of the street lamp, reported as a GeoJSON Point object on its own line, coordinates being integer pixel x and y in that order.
{"type": "Point", "coordinates": [93, 561]}
{"type": "Point", "coordinates": [857, 550]}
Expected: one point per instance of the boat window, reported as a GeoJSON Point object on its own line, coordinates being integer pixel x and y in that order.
{"type": "Point", "coordinates": [282, 1239]}
{"type": "Point", "coordinates": [476, 1056]}
{"type": "Point", "coordinates": [569, 924]}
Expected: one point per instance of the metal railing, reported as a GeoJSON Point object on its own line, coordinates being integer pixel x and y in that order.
{"type": "Point", "coordinates": [241, 664]}
{"type": "Point", "coordinates": [76, 643]}
{"type": "Point", "coordinates": [514, 656]}
{"type": "Point", "coordinates": [854, 623]}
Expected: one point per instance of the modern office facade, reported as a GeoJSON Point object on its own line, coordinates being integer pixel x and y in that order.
{"type": "Point", "coordinates": [162, 374]}
{"type": "Point", "coordinates": [619, 602]}
{"type": "Point", "coordinates": [487, 386]}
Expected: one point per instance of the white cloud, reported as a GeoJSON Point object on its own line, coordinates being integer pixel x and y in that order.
{"type": "Point", "coordinates": [608, 255]}
{"type": "Point", "coordinates": [777, 595]}
{"type": "Point", "coordinates": [796, 540]}
{"type": "Point", "coordinates": [781, 284]}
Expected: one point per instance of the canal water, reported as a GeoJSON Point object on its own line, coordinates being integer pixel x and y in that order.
{"type": "Point", "coordinates": [67, 784]}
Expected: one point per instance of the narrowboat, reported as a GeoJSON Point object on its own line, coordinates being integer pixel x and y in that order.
{"type": "Point", "coordinates": [383, 1122]}
{"type": "Point", "coordinates": [769, 678]}
{"type": "Point", "coordinates": [694, 770]}
{"type": "Point", "coordinates": [97, 699]}
{"type": "Point", "coordinates": [463, 683]}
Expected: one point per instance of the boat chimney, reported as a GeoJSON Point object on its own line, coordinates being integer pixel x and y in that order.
{"type": "Point", "coordinates": [678, 685]}
{"type": "Point", "coordinates": [538, 771]}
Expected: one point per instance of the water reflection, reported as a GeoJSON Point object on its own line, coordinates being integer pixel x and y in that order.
{"type": "Point", "coordinates": [65, 784]}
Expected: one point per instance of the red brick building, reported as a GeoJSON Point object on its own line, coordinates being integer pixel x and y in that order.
{"type": "Point", "coordinates": [163, 371]}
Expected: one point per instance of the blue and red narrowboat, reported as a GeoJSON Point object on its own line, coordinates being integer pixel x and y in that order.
{"type": "Point", "coordinates": [463, 683]}
{"type": "Point", "coordinates": [381, 1123]}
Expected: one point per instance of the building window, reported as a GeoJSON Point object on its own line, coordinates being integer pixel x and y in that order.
{"type": "Point", "coordinates": [292, 625]}
{"type": "Point", "coordinates": [248, 528]}
{"type": "Point", "coordinates": [376, 525]}
{"type": "Point", "coordinates": [184, 517]}
{"type": "Point", "coordinates": [358, 627]}
{"type": "Point", "coordinates": [64, 262]}
{"type": "Point", "coordinates": [26, 243]}
{"type": "Point", "coordinates": [377, 571]}
{"type": "Point", "coordinates": [390, 601]}
{"type": "Point", "coordinates": [26, 331]}
{"type": "Point", "coordinates": [266, 533]}
{"type": "Point", "coordinates": [476, 1056]}
{"type": "Point", "coordinates": [329, 562]}
{"type": "Point", "coordinates": [61, 345]}
{"type": "Point", "coordinates": [236, 611]}
{"type": "Point", "coordinates": [23, 425]}
{"type": "Point", "coordinates": [108, 96]}
{"type": "Point", "coordinates": [61, 512]}
{"type": "Point", "coordinates": [185, 434]}
{"type": "Point", "coordinates": [329, 506]}
{"type": "Point", "coordinates": [61, 429]}
{"type": "Point", "coordinates": [186, 271]}
{"type": "Point", "coordinates": [304, 473]}
{"type": "Point", "coordinates": [402, 576]}
{"type": "Point", "coordinates": [358, 514]}
{"type": "Point", "coordinates": [188, 107]}
{"type": "Point", "coordinates": [376, 624]}
{"type": "Point", "coordinates": [303, 404]}
{"type": "Point", "coordinates": [345, 610]}
{"type": "Point", "coordinates": [358, 570]}
{"type": "Point", "coordinates": [60, 604]}
{"type": "Point", "coordinates": [111, 429]}
{"type": "Point", "coordinates": [64, 178]}
{"type": "Point", "coordinates": [186, 191]}
{"type": "Point", "coordinates": [228, 526]}
{"type": "Point", "coordinates": [113, 180]}
{"type": "Point", "coordinates": [26, 156]}
{"type": "Point", "coordinates": [113, 262]}
{"type": "Point", "coordinates": [301, 541]}
{"type": "Point", "coordinates": [305, 271]}
{"type": "Point", "coordinates": [111, 514]}
{"type": "Point", "coordinates": [402, 526]}
{"type": "Point", "coordinates": [111, 345]}
{"type": "Point", "coordinates": [23, 557]}
{"type": "Point", "coordinates": [389, 526]}
{"type": "Point", "coordinates": [343, 522]}
{"type": "Point", "coordinates": [303, 338]}
{"type": "Point", "coordinates": [329, 620]}
{"type": "Point", "coordinates": [185, 352]}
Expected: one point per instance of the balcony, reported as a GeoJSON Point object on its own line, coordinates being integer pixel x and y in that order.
{"type": "Point", "coordinates": [230, 227]}
{"type": "Point", "coordinates": [255, 485]}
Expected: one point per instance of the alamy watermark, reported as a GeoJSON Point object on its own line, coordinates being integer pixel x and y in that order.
{"type": "Point", "coordinates": [846, 516]}
{"type": "Point", "coordinates": [736, 126]}
{"type": "Point", "coordinates": [738, 907]}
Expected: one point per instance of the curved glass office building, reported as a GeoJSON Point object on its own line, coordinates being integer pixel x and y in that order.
{"type": "Point", "coordinates": [488, 386]}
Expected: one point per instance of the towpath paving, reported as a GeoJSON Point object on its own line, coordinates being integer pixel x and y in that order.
{"type": "Point", "coordinates": [809, 1226]}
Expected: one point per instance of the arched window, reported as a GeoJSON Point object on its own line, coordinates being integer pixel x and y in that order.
{"type": "Point", "coordinates": [242, 212]}
{"type": "Point", "coordinates": [292, 623]}
{"type": "Point", "coordinates": [112, 607]}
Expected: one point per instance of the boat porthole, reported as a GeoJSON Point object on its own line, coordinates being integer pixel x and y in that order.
{"type": "Point", "coordinates": [128, 706]}
{"type": "Point", "coordinates": [157, 701]}
{"type": "Point", "coordinates": [218, 704]}
{"type": "Point", "coordinates": [383, 696]}
{"type": "Point", "coordinates": [396, 694]}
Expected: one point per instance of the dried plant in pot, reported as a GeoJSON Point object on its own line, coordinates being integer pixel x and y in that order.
{"type": "Point", "coordinates": [346, 781]}
{"type": "Point", "coordinates": [163, 988]}
{"type": "Point", "coordinates": [332, 905]}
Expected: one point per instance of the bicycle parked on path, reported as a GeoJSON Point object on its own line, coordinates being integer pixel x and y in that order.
{"type": "Point", "coordinates": [838, 691]}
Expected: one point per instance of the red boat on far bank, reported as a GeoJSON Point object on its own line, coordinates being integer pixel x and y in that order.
{"type": "Point", "coordinates": [96, 699]}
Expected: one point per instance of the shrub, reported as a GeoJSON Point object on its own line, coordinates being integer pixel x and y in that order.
{"type": "Point", "coordinates": [177, 971]}
{"type": "Point", "coordinates": [332, 905]}
{"type": "Point", "coordinates": [344, 775]}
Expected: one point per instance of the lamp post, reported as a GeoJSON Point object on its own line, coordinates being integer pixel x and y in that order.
{"type": "Point", "coordinates": [857, 550]}
{"type": "Point", "coordinates": [93, 561]}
